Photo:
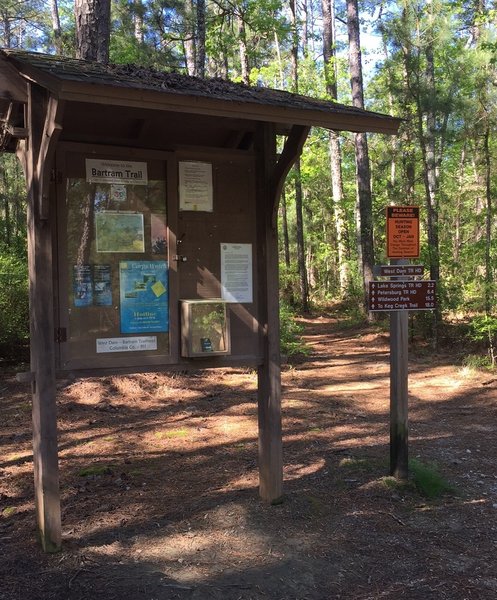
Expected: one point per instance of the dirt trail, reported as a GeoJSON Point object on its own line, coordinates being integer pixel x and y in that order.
{"type": "Point", "coordinates": [159, 485]}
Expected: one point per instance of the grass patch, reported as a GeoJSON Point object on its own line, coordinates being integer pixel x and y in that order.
{"type": "Point", "coordinates": [393, 483]}
{"type": "Point", "coordinates": [95, 470]}
{"type": "Point", "coordinates": [477, 362]}
{"type": "Point", "coordinates": [173, 433]}
{"type": "Point", "coordinates": [9, 511]}
{"type": "Point", "coordinates": [358, 464]}
{"type": "Point", "coordinates": [428, 480]}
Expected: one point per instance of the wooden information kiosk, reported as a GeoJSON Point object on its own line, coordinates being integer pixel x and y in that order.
{"type": "Point", "coordinates": [152, 233]}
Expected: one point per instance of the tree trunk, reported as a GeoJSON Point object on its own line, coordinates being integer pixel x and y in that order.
{"type": "Point", "coordinates": [138, 21]}
{"type": "Point", "coordinates": [458, 217]}
{"type": "Point", "coordinates": [200, 41]}
{"type": "Point", "coordinates": [242, 45]}
{"type": "Point", "coordinates": [189, 40]}
{"type": "Point", "coordinates": [304, 285]}
{"type": "Point", "coordinates": [57, 32]}
{"type": "Point", "coordinates": [364, 198]}
{"type": "Point", "coordinates": [92, 29]}
{"type": "Point", "coordinates": [329, 56]}
{"type": "Point", "coordinates": [488, 222]}
{"type": "Point", "coordinates": [286, 238]}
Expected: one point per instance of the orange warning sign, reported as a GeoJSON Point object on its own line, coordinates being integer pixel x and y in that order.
{"type": "Point", "coordinates": [402, 231]}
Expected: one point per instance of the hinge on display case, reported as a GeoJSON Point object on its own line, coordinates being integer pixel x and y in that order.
{"type": "Point", "coordinates": [60, 335]}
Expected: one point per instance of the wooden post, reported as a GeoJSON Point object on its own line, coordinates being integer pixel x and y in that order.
{"type": "Point", "coordinates": [269, 373]}
{"type": "Point", "coordinates": [399, 391]}
{"type": "Point", "coordinates": [45, 455]}
{"type": "Point", "coordinates": [270, 178]}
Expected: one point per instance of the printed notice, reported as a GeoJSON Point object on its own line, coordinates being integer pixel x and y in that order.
{"type": "Point", "coordinates": [82, 286]}
{"type": "Point", "coordinates": [195, 186]}
{"type": "Point", "coordinates": [236, 272]}
{"type": "Point", "coordinates": [127, 344]}
{"type": "Point", "coordinates": [402, 231]}
{"type": "Point", "coordinates": [144, 296]}
{"type": "Point", "coordinates": [102, 285]}
{"type": "Point", "coordinates": [116, 171]}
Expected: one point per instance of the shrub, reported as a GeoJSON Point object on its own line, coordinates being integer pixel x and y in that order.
{"type": "Point", "coordinates": [291, 330]}
{"type": "Point", "coordinates": [428, 481]}
{"type": "Point", "coordinates": [484, 329]}
{"type": "Point", "coordinates": [14, 305]}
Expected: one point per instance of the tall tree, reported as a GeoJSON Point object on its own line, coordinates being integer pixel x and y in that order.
{"type": "Point", "coordinates": [331, 75]}
{"type": "Point", "coordinates": [56, 28]}
{"type": "Point", "coordinates": [364, 198]}
{"type": "Point", "coordinates": [92, 29]}
{"type": "Point", "coordinates": [304, 283]}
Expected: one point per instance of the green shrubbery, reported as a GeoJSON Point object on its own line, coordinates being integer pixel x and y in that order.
{"type": "Point", "coordinates": [14, 305]}
{"type": "Point", "coordinates": [291, 330]}
{"type": "Point", "coordinates": [484, 329]}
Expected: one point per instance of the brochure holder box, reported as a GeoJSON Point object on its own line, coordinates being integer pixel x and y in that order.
{"type": "Point", "coordinates": [205, 330]}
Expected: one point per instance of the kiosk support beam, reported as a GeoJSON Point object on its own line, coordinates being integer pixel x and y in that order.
{"type": "Point", "coordinates": [270, 178]}
{"type": "Point", "coordinates": [269, 373]}
{"type": "Point", "coordinates": [45, 454]}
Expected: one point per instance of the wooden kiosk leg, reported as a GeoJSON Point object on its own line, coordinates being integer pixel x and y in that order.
{"type": "Point", "coordinates": [271, 175]}
{"type": "Point", "coordinates": [45, 454]}
{"type": "Point", "coordinates": [269, 388]}
{"type": "Point", "coordinates": [269, 373]}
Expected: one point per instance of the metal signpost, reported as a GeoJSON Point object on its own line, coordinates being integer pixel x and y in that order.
{"type": "Point", "coordinates": [399, 293]}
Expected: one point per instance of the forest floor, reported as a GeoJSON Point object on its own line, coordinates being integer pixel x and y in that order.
{"type": "Point", "coordinates": [159, 484]}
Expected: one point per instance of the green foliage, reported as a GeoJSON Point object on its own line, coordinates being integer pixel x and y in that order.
{"type": "Point", "coordinates": [291, 331]}
{"type": "Point", "coordinates": [484, 329]}
{"type": "Point", "coordinates": [14, 304]}
{"type": "Point", "coordinates": [461, 36]}
{"type": "Point", "coordinates": [428, 480]}
{"type": "Point", "coordinates": [95, 470]}
{"type": "Point", "coordinates": [477, 362]}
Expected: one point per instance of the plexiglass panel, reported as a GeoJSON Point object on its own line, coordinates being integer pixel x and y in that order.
{"type": "Point", "coordinates": [117, 264]}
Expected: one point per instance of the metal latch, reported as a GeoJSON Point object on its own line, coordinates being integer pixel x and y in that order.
{"type": "Point", "coordinates": [60, 335]}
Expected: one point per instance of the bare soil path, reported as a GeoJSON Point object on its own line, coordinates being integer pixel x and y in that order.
{"type": "Point", "coordinates": [159, 485]}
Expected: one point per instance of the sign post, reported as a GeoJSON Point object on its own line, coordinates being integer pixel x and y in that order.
{"type": "Point", "coordinates": [400, 293]}
{"type": "Point", "coordinates": [402, 243]}
{"type": "Point", "coordinates": [399, 361]}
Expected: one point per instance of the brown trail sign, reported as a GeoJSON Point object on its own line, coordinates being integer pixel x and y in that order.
{"type": "Point", "coordinates": [402, 295]}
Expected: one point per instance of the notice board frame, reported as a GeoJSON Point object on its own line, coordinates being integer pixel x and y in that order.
{"type": "Point", "coordinates": [125, 361]}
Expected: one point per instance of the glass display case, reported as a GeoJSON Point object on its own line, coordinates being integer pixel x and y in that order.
{"type": "Point", "coordinates": [205, 328]}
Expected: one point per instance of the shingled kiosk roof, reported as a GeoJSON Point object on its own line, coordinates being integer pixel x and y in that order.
{"type": "Point", "coordinates": [147, 88]}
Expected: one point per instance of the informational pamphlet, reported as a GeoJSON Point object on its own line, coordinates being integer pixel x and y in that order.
{"type": "Point", "coordinates": [236, 272]}
{"type": "Point", "coordinates": [102, 285]}
{"type": "Point", "coordinates": [144, 296]}
{"type": "Point", "coordinates": [195, 186]}
{"type": "Point", "coordinates": [82, 286]}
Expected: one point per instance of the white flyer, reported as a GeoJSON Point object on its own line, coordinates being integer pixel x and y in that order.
{"type": "Point", "coordinates": [236, 272]}
{"type": "Point", "coordinates": [195, 186]}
